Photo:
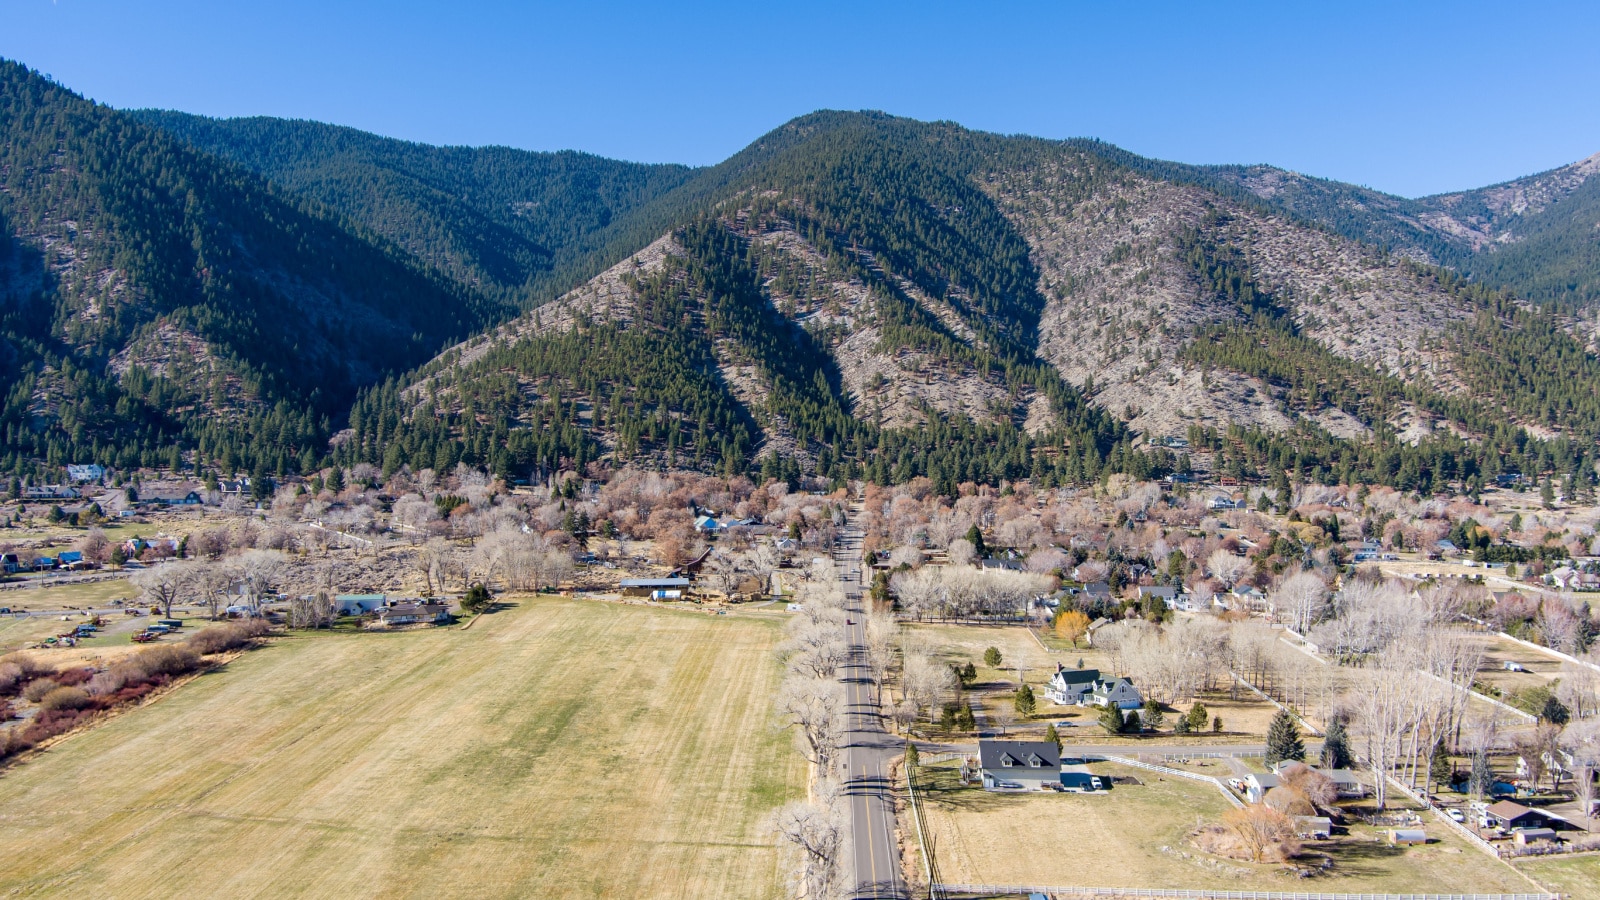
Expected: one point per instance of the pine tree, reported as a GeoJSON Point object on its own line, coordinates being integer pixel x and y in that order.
{"type": "Point", "coordinates": [975, 538]}
{"type": "Point", "coordinates": [992, 658]}
{"type": "Point", "coordinates": [1025, 702]}
{"type": "Point", "coordinates": [1336, 747]}
{"type": "Point", "coordinates": [1052, 736]}
{"type": "Point", "coordinates": [1198, 717]}
{"type": "Point", "coordinates": [1132, 724]}
{"type": "Point", "coordinates": [1440, 768]}
{"type": "Point", "coordinates": [1153, 719]}
{"type": "Point", "coordinates": [1111, 719]}
{"type": "Point", "coordinates": [1283, 740]}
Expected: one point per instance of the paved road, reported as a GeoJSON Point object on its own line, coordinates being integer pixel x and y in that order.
{"type": "Point", "coordinates": [868, 748]}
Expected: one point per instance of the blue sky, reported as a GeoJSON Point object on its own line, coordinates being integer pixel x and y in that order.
{"type": "Point", "coordinates": [1411, 98]}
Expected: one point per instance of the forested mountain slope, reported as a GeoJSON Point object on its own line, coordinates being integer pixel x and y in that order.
{"type": "Point", "coordinates": [510, 223]}
{"type": "Point", "coordinates": [853, 295]}
{"type": "Point", "coordinates": [157, 300]}
{"type": "Point", "coordinates": [863, 295]}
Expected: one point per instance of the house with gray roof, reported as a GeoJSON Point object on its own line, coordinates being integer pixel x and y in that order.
{"type": "Point", "coordinates": [1070, 687]}
{"type": "Point", "coordinates": [1019, 765]}
{"type": "Point", "coordinates": [1118, 691]}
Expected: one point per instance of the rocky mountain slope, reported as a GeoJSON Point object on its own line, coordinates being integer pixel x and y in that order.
{"type": "Point", "coordinates": [853, 295]}
{"type": "Point", "coordinates": [1535, 236]}
{"type": "Point", "coordinates": [930, 276]}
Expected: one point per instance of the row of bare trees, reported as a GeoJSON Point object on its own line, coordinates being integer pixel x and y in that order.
{"type": "Point", "coordinates": [962, 592]}
{"type": "Point", "coordinates": [244, 579]}
{"type": "Point", "coordinates": [812, 702]}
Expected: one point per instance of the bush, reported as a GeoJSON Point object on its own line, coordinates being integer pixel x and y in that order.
{"type": "Point", "coordinates": [73, 677]}
{"type": "Point", "coordinates": [66, 698]}
{"type": "Point", "coordinates": [231, 636]}
{"type": "Point", "coordinates": [16, 670]}
{"type": "Point", "coordinates": [31, 668]}
{"type": "Point", "coordinates": [10, 679]}
{"type": "Point", "coordinates": [109, 682]}
{"type": "Point", "coordinates": [12, 742]}
{"type": "Point", "coordinates": [51, 722]}
{"type": "Point", "coordinates": [37, 688]}
{"type": "Point", "coordinates": [170, 661]}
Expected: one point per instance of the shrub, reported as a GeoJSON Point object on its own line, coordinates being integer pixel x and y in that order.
{"type": "Point", "coordinates": [231, 636]}
{"type": "Point", "coordinates": [73, 677]}
{"type": "Point", "coordinates": [16, 670]}
{"type": "Point", "coordinates": [12, 742]}
{"type": "Point", "coordinates": [37, 688]}
{"type": "Point", "coordinates": [170, 661]}
{"type": "Point", "coordinates": [108, 682]}
{"type": "Point", "coordinates": [31, 668]}
{"type": "Point", "coordinates": [51, 722]}
{"type": "Point", "coordinates": [10, 679]}
{"type": "Point", "coordinates": [66, 698]}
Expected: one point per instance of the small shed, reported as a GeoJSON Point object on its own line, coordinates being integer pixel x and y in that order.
{"type": "Point", "coordinates": [1526, 836]}
{"type": "Point", "coordinates": [1408, 836]}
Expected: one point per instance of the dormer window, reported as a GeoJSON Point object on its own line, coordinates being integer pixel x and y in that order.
{"type": "Point", "coordinates": [1005, 761]}
{"type": "Point", "coordinates": [1033, 760]}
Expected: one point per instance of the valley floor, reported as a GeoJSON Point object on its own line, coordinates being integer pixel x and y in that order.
{"type": "Point", "coordinates": [555, 749]}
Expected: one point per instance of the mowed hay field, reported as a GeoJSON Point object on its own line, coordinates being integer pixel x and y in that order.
{"type": "Point", "coordinates": [555, 749]}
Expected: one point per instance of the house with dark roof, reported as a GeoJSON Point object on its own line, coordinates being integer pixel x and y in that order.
{"type": "Point", "coordinates": [1510, 816]}
{"type": "Point", "coordinates": [1069, 687]}
{"type": "Point", "coordinates": [1019, 765]}
{"type": "Point", "coordinates": [1082, 687]}
{"type": "Point", "coordinates": [413, 612]}
{"type": "Point", "coordinates": [647, 587]}
{"type": "Point", "coordinates": [170, 497]}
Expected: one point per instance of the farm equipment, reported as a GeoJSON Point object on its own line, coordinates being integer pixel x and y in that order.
{"type": "Point", "coordinates": [144, 637]}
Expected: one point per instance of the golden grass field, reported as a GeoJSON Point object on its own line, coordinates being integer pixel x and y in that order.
{"type": "Point", "coordinates": [1135, 836]}
{"type": "Point", "coordinates": [555, 749]}
{"type": "Point", "coordinates": [1575, 876]}
{"type": "Point", "coordinates": [1244, 719]}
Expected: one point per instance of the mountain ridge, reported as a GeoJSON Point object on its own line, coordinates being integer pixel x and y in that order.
{"type": "Point", "coordinates": [853, 295]}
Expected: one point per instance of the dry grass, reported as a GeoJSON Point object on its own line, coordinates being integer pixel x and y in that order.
{"type": "Point", "coordinates": [1136, 836]}
{"type": "Point", "coordinates": [94, 593]}
{"type": "Point", "coordinates": [1245, 719]}
{"type": "Point", "coordinates": [557, 749]}
{"type": "Point", "coordinates": [1575, 876]}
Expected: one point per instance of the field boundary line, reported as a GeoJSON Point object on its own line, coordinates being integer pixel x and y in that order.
{"type": "Point", "coordinates": [1471, 694]}
{"type": "Point", "coordinates": [1267, 697]}
{"type": "Point", "coordinates": [922, 832]}
{"type": "Point", "coordinates": [991, 890]}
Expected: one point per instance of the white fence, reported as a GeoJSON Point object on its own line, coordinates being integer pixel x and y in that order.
{"type": "Point", "coordinates": [1192, 776]}
{"type": "Point", "coordinates": [1066, 893]}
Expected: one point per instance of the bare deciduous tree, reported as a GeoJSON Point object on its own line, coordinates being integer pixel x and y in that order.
{"type": "Point", "coordinates": [161, 584]}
